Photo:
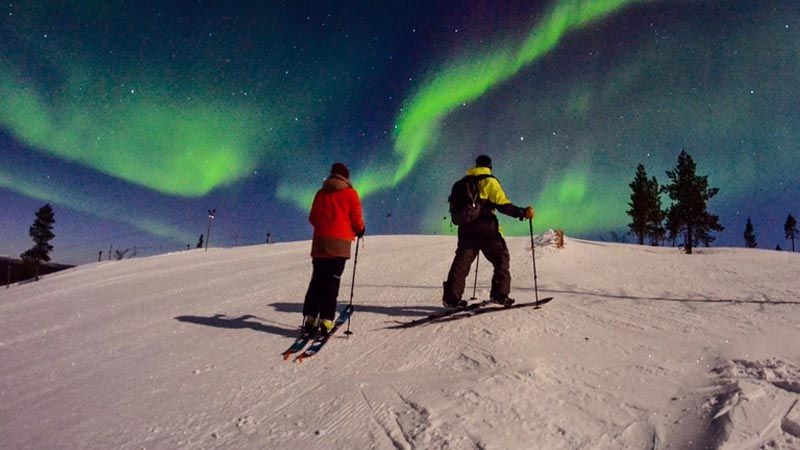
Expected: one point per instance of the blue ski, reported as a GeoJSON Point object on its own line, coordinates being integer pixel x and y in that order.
{"type": "Point", "coordinates": [322, 339]}
{"type": "Point", "coordinates": [298, 344]}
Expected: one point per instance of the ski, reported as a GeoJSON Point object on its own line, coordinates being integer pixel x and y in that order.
{"type": "Point", "coordinates": [479, 311]}
{"type": "Point", "coordinates": [473, 309]}
{"type": "Point", "coordinates": [298, 344]}
{"type": "Point", "coordinates": [440, 315]}
{"type": "Point", "coordinates": [322, 339]}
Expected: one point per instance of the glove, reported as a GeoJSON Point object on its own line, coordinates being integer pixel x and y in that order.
{"type": "Point", "coordinates": [527, 213]}
{"type": "Point", "coordinates": [360, 234]}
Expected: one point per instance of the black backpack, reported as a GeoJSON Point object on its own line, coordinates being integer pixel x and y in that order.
{"type": "Point", "coordinates": [465, 201]}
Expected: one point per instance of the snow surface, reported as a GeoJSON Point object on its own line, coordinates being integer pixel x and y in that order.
{"type": "Point", "coordinates": [642, 348]}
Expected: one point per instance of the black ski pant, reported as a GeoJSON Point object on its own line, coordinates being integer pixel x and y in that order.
{"type": "Point", "coordinates": [494, 248]}
{"type": "Point", "coordinates": [324, 287]}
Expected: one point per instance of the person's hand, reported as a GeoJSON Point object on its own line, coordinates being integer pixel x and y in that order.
{"type": "Point", "coordinates": [528, 212]}
{"type": "Point", "coordinates": [360, 234]}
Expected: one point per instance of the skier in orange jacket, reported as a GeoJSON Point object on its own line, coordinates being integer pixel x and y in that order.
{"type": "Point", "coordinates": [337, 219]}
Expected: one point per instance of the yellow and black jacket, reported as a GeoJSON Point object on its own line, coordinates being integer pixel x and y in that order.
{"type": "Point", "coordinates": [493, 197]}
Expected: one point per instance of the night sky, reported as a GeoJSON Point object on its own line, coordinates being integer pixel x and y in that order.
{"type": "Point", "coordinates": [133, 119]}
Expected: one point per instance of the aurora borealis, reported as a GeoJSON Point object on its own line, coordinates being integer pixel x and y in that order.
{"type": "Point", "coordinates": [134, 120]}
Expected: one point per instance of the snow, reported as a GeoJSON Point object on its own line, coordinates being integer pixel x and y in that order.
{"type": "Point", "coordinates": [642, 348]}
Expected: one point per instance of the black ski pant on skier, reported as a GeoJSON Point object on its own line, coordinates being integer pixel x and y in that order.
{"type": "Point", "coordinates": [324, 288]}
{"type": "Point", "coordinates": [483, 236]}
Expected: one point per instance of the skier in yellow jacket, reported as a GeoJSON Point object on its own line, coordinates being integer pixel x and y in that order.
{"type": "Point", "coordinates": [483, 235]}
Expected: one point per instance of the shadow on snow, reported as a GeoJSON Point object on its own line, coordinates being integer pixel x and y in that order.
{"type": "Point", "coordinates": [223, 321]}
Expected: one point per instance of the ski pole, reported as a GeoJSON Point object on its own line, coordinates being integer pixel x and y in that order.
{"type": "Point", "coordinates": [352, 287]}
{"type": "Point", "coordinates": [533, 258]}
{"type": "Point", "coordinates": [475, 284]}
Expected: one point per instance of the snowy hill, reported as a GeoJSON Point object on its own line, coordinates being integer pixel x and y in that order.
{"type": "Point", "coordinates": [641, 348]}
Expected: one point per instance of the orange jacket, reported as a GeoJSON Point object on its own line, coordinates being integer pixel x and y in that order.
{"type": "Point", "coordinates": [336, 217]}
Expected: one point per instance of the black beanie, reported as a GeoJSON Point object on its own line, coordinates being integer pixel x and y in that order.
{"type": "Point", "coordinates": [340, 169]}
{"type": "Point", "coordinates": [484, 161]}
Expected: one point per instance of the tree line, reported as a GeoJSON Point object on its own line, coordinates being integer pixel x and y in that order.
{"type": "Point", "coordinates": [687, 217]}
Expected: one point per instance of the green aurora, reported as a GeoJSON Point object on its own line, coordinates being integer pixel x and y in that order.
{"type": "Point", "coordinates": [190, 146]}
{"type": "Point", "coordinates": [464, 80]}
{"type": "Point", "coordinates": [467, 79]}
{"type": "Point", "coordinates": [92, 205]}
{"type": "Point", "coordinates": [565, 114]}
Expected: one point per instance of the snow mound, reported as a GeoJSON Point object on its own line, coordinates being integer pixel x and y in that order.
{"type": "Point", "coordinates": [780, 373]}
{"type": "Point", "coordinates": [758, 407]}
{"type": "Point", "coordinates": [545, 243]}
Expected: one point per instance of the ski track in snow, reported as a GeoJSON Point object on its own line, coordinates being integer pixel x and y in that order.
{"type": "Point", "coordinates": [641, 348]}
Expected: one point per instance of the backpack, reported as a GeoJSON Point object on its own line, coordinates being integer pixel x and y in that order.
{"type": "Point", "coordinates": [465, 201]}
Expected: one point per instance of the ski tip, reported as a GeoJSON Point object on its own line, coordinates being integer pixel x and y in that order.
{"type": "Point", "coordinates": [543, 301]}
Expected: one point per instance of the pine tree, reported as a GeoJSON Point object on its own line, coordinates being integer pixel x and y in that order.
{"type": "Point", "coordinates": [672, 226]}
{"type": "Point", "coordinates": [749, 235]}
{"type": "Point", "coordinates": [639, 204]}
{"type": "Point", "coordinates": [655, 222]}
{"type": "Point", "coordinates": [690, 194]}
{"type": "Point", "coordinates": [709, 222]}
{"type": "Point", "coordinates": [646, 214]}
{"type": "Point", "coordinates": [41, 232]}
{"type": "Point", "coordinates": [790, 228]}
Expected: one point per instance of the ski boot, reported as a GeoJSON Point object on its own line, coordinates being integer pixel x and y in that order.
{"type": "Point", "coordinates": [310, 325]}
{"type": "Point", "coordinates": [502, 301]}
{"type": "Point", "coordinates": [449, 302]}
{"type": "Point", "coordinates": [325, 327]}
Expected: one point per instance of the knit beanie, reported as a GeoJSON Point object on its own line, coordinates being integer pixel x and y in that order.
{"type": "Point", "coordinates": [340, 169]}
{"type": "Point", "coordinates": [483, 161]}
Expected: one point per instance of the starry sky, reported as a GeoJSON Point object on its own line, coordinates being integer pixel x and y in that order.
{"type": "Point", "coordinates": [133, 119]}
